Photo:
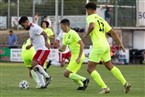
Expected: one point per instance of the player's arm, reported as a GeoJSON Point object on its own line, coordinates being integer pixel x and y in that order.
{"type": "Point", "coordinates": [115, 36]}
{"type": "Point", "coordinates": [45, 37]}
{"type": "Point", "coordinates": [29, 46]}
{"type": "Point", "coordinates": [90, 28]}
{"type": "Point", "coordinates": [52, 36]}
{"type": "Point", "coordinates": [62, 49]}
{"type": "Point", "coordinates": [80, 42]}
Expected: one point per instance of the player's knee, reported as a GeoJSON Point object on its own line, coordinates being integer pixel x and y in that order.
{"type": "Point", "coordinates": [109, 65]}
{"type": "Point", "coordinates": [66, 73]}
{"type": "Point", "coordinates": [90, 70]}
{"type": "Point", "coordinates": [34, 63]}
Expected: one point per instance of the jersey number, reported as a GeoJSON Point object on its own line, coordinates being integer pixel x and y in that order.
{"type": "Point", "coordinates": [101, 26]}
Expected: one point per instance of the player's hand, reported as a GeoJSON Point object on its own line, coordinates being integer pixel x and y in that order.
{"type": "Point", "coordinates": [122, 47]}
{"type": "Point", "coordinates": [78, 60]}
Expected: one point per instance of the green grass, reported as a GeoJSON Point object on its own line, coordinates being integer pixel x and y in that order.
{"type": "Point", "coordinates": [12, 73]}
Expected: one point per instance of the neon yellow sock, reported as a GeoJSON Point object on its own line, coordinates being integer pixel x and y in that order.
{"type": "Point", "coordinates": [44, 66]}
{"type": "Point", "coordinates": [80, 83]}
{"type": "Point", "coordinates": [96, 76]}
{"type": "Point", "coordinates": [117, 73]}
{"type": "Point", "coordinates": [75, 76]}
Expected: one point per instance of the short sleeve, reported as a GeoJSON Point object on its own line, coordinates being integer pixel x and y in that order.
{"type": "Point", "coordinates": [50, 31]}
{"type": "Point", "coordinates": [63, 40]}
{"type": "Point", "coordinates": [107, 27]}
{"type": "Point", "coordinates": [37, 30]}
{"type": "Point", "coordinates": [76, 37]}
{"type": "Point", "coordinates": [89, 20]}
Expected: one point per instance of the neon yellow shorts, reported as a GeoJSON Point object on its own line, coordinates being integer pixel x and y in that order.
{"type": "Point", "coordinates": [73, 66]}
{"type": "Point", "coordinates": [98, 54]}
{"type": "Point", "coordinates": [27, 57]}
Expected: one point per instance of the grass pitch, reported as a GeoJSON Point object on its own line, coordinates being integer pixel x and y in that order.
{"type": "Point", "coordinates": [12, 73]}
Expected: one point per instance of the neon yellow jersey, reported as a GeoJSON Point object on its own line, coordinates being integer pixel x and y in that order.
{"type": "Point", "coordinates": [49, 33]}
{"type": "Point", "coordinates": [71, 39]}
{"type": "Point", "coordinates": [98, 36]}
{"type": "Point", "coordinates": [25, 44]}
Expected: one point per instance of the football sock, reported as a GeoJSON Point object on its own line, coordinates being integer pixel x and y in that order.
{"type": "Point", "coordinates": [116, 72]}
{"type": "Point", "coordinates": [80, 83]}
{"type": "Point", "coordinates": [55, 63]}
{"type": "Point", "coordinates": [41, 79]}
{"type": "Point", "coordinates": [34, 76]}
{"type": "Point", "coordinates": [41, 70]}
{"type": "Point", "coordinates": [96, 76]}
{"type": "Point", "coordinates": [75, 76]}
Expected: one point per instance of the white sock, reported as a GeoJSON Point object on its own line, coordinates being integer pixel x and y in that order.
{"type": "Point", "coordinates": [41, 71]}
{"type": "Point", "coordinates": [55, 63]}
{"type": "Point", "coordinates": [35, 77]}
{"type": "Point", "coordinates": [41, 79]}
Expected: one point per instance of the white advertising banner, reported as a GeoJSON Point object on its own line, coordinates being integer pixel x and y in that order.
{"type": "Point", "coordinates": [140, 12]}
{"type": "Point", "coordinates": [15, 55]}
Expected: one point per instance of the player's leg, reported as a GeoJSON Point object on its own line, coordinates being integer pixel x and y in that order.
{"type": "Point", "coordinates": [54, 62]}
{"type": "Point", "coordinates": [38, 62]}
{"type": "Point", "coordinates": [71, 70]}
{"type": "Point", "coordinates": [93, 60]}
{"type": "Point", "coordinates": [38, 78]}
{"type": "Point", "coordinates": [115, 71]}
{"type": "Point", "coordinates": [27, 57]}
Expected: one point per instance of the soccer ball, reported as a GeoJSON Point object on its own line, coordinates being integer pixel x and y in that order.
{"type": "Point", "coordinates": [24, 84]}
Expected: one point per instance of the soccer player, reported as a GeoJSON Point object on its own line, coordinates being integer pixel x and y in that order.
{"type": "Point", "coordinates": [74, 42]}
{"type": "Point", "coordinates": [97, 27]}
{"type": "Point", "coordinates": [62, 55]}
{"type": "Point", "coordinates": [27, 56]}
{"type": "Point", "coordinates": [39, 41]}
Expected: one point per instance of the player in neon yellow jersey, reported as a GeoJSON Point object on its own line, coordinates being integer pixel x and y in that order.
{"type": "Point", "coordinates": [97, 28]}
{"type": "Point", "coordinates": [74, 42]}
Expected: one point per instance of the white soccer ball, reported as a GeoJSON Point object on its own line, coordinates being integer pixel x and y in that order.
{"type": "Point", "coordinates": [24, 84]}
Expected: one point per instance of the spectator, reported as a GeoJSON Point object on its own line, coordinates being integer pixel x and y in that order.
{"type": "Point", "coordinates": [46, 18]}
{"type": "Point", "coordinates": [36, 18]}
{"type": "Point", "coordinates": [12, 40]}
{"type": "Point", "coordinates": [49, 32]}
{"type": "Point", "coordinates": [107, 13]}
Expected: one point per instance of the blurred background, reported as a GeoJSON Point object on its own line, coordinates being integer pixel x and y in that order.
{"type": "Point", "coordinates": [127, 17]}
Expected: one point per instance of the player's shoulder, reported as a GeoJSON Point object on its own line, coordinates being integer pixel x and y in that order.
{"type": "Point", "coordinates": [34, 27]}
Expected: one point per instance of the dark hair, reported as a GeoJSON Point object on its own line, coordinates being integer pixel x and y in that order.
{"type": "Point", "coordinates": [65, 21]}
{"type": "Point", "coordinates": [11, 31]}
{"type": "Point", "coordinates": [23, 19]}
{"type": "Point", "coordinates": [91, 6]}
{"type": "Point", "coordinates": [45, 16]}
{"type": "Point", "coordinates": [47, 24]}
